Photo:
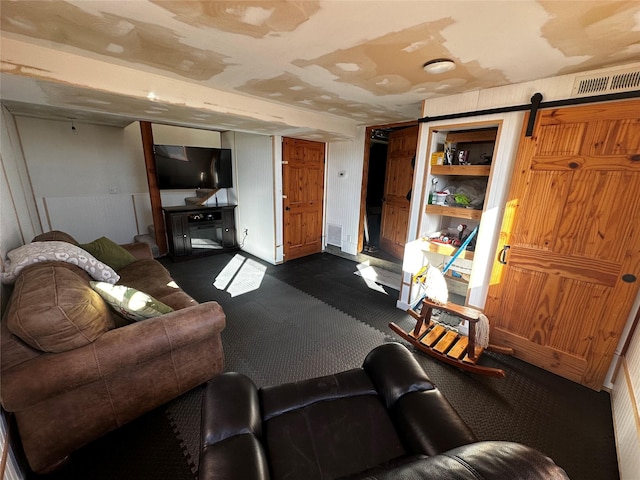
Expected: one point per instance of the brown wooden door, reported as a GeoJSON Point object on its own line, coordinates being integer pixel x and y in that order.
{"type": "Point", "coordinates": [303, 191]}
{"type": "Point", "coordinates": [398, 183]}
{"type": "Point", "coordinates": [572, 227]}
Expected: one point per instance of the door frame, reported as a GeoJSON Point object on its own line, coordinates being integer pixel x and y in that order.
{"type": "Point", "coordinates": [365, 173]}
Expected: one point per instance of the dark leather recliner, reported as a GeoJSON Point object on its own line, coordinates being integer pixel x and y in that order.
{"type": "Point", "coordinates": [385, 420]}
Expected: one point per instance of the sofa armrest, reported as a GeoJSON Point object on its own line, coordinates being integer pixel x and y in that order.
{"type": "Point", "coordinates": [231, 430]}
{"type": "Point", "coordinates": [140, 250]}
{"type": "Point", "coordinates": [51, 374]}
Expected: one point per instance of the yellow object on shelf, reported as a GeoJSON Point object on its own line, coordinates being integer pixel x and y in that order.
{"type": "Point", "coordinates": [437, 158]}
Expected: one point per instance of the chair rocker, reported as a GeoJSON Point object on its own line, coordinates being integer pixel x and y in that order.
{"type": "Point", "coordinates": [447, 344]}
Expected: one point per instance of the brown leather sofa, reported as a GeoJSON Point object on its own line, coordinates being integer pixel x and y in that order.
{"type": "Point", "coordinates": [87, 384]}
{"type": "Point", "coordinates": [385, 420]}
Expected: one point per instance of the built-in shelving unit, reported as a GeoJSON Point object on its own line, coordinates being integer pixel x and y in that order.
{"type": "Point", "coordinates": [472, 170]}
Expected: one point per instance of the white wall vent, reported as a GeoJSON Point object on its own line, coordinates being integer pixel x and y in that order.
{"type": "Point", "coordinates": [613, 82]}
{"type": "Point", "coordinates": [334, 235]}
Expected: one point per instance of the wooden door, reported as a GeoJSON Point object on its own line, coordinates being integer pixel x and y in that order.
{"type": "Point", "coordinates": [303, 192]}
{"type": "Point", "coordinates": [570, 241]}
{"type": "Point", "coordinates": [398, 183]}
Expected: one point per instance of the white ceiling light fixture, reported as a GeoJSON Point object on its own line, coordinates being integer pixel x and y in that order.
{"type": "Point", "coordinates": [439, 65]}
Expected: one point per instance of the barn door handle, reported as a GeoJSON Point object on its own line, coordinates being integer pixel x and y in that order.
{"type": "Point", "coordinates": [502, 257]}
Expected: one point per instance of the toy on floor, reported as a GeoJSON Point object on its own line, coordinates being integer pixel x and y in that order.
{"type": "Point", "coordinates": [448, 343]}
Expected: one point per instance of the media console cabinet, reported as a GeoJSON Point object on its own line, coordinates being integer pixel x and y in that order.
{"type": "Point", "coordinates": [194, 230]}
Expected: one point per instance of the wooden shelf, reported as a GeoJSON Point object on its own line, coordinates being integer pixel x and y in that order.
{"type": "Point", "coordinates": [464, 170]}
{"type": "Point", "coordinates": [473, 136]}
{"type": "Point", "coordinates": [444, 249]}
{"type": "Point", "coordinates": [467, 213]}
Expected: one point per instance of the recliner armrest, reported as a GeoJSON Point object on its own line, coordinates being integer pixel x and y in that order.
{"type": "Point", "coordinates": [425, 420]}
{"type": "Point", "coordinates": [395, 372]}
{"type": "Point", "coordinates": [493, 460]}
{"type": "Point", "coordinates": [231, 430]}
{"type": "Point", "coordinates": [230, 406]}
{"type": "Point", "coordinates": [428, 424]}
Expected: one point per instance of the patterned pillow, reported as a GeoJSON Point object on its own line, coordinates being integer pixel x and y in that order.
{"type": "Point", "coordinates": [129, 302]}
{"type": "Point", "coordinates": [36, 252]}
{"type": "Point", "coordinates": [109, 252]}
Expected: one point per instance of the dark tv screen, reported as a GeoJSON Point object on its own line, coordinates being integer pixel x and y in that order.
{"type": "Point", "coordinates": [179, 167]}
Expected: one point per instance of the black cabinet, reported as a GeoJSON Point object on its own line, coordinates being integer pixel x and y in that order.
{"type": "Point", "coordinates": [194, 230]}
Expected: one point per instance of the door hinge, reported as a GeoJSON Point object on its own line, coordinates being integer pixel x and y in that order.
{"type": "Point", "coordinates": [285, 162]}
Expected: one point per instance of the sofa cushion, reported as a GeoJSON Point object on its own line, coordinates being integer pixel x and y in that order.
{"type": "Point", "coordinates": [109, 252]}
{"type": "Point", "coordinates": [55, 235]}
{"type": "Point", "coordinates": [54, 309]}
{"type": "Point", "coordinates": [130, 302]}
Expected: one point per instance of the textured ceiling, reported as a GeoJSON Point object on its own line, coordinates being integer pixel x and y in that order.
{"type": "Point", "coordinates": [359, 60]}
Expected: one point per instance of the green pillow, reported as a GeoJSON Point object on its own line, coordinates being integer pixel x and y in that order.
{"type": "Point", "coordinates": [109, 253]}
{"type": "Point", "coordinates": [129, 302]}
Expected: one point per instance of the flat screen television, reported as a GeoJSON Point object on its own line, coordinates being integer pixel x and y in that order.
{"type": "Point", "coordinates": [179, 167]}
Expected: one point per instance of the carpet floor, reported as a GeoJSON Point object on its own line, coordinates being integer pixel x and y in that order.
{"type": "Point", "coordinates": [313, 316]}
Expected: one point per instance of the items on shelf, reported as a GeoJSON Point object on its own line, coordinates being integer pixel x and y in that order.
{"type": "Point", "coordinates": [468, 193]}
{"type": "Point", "coordinates": [455, 238]}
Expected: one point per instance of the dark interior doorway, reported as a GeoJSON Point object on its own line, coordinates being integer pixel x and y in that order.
{"type": "Point", "coordinates": [375, 192]}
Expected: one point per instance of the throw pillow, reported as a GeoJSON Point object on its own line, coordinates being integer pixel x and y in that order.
{"type": "Point", "coordinates": [53, 309]}
{"type": "Point", "coordinates": [52, 251]}
{"type": "Point", "coordinates": [129, 302]}
{"type": "Point", "coordinates": [109, 252]}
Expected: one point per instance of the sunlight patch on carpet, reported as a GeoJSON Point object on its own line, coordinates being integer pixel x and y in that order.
{"type": "Point", "coordinates": [240, 275]}
{"type": "Point", "coordinates": [376, 277]}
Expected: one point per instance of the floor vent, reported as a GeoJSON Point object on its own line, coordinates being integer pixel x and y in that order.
{"type": "Point", "coordinates": [614, 82]}
{"type": "Point", "coordinates": [334, 235]}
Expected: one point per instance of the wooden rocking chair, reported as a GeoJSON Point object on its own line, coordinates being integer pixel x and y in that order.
{"type": "Point", "coordinates": [447, 345]}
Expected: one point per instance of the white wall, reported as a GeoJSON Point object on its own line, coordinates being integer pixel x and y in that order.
{"type": "Point", "coordinates": [170, 135]}
{"type": "Point", "coordinates": [88, 182]}
{"type": "Point", "coordinates": [257, 184]}
{"type": "Point", "coordinates": [343, 187]}
{"type": "Point", "coordinates": [92, 181]}
{"type": "Point", "coordinates": [626, 411]}
{"type": "Point", "coordinates": [19, 219]}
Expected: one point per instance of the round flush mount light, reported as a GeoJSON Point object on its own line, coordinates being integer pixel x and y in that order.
{"type": "Point", "coordinates": [439, 65]}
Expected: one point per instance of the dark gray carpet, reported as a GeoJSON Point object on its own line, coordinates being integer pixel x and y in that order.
{"type": "Point", "coordinates": [313, 316]}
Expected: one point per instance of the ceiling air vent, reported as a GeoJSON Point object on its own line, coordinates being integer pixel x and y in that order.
{"type": "Point", "coordinates": [614, 82]}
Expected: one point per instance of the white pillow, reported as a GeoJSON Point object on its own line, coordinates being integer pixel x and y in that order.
{"type": "Point", "coordinates": [36, 252]}
{"type": "Point", "coordinates": [129, 302]}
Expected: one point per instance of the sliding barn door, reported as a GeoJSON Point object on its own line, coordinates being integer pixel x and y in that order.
{"type": "Point", "coordinates": [303, 192]}
{"type": "Point", "coordinates": [397, 184]}
{"type": "Point", "coordinates": [568, 263]}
